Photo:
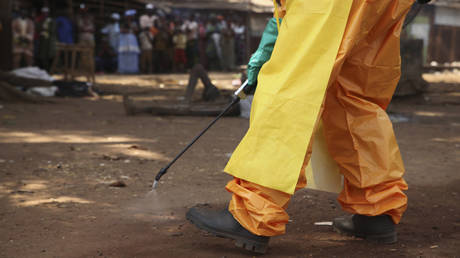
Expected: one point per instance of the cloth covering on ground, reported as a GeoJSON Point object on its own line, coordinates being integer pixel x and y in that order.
{"type": "Point", "coordinates": [36, 73]}
{"type": "Point", "coordinates": [33, 73]}
{"type": "Point", "coordinates": [61, 88]}
{"type": "Point", "coordinates": [43, 91]}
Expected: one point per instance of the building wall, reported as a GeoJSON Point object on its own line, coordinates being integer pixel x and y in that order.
{"type": "Point", "coordinates": [444, 44]}
{"type": "Point", "coordinates": [420, 29]}
{"type": "Point", "coordinates": [445, 35]}
{"type": "Point", "coordinates": [439, 28]}
{"type": "Point", "coordinates": [447, 16]}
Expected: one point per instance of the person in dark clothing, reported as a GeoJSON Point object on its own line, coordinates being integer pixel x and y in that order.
{"type": "Point", "coordinates": [64, 29]}
{"type": "Point", "coordinates": [210, 91]}
{"type": "Point", "coordinates": [47, 40]}
{"type": "Point", "coordinates": [187, 108]}
{"type": "Point", "coordinates": [160, 49]}
{"type": "Point", "coordinates": [106, 57]}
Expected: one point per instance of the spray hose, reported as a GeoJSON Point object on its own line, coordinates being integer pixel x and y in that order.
{"type": "Point", "coordinates": [237, 96]}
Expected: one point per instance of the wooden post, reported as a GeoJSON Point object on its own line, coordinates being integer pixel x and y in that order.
{"type": "Point", "coordinates": [438, 43]}
{"type": "Point", "coordinates": [66, 62]}
{"type": "Point", "coordinates": [70, 6]}
{"type": "Point", "coordinates": [6, 36]}
{"type": "Point", "coordinates": [73, 63]}
{"type": "Point", "coordinates": [431, 43]}
{"type": "Point", "coordinates": [453, 46]}
{"type": "Point", "coordinates": [101, 9]}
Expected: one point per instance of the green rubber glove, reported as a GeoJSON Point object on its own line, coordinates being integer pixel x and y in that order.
{"type": "Point", "coordinates": [263, 52]}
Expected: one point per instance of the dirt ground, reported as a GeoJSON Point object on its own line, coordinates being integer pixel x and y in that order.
{"type": "Point", "coordinates": [57, 162]}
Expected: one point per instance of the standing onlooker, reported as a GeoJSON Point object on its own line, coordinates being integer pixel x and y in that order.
{"type": "Point", "coordinates": [203, 59]}
{"type": "Point", "coordinates": [85, 23]}
{"type": "Point", "coordinates": [23, 39]}
{"type": "Point", "coordinates": [146, 39]}
{"type": "Point", "coordinates": [38, 19]}
{"type": "Point", "coordinates": [180, 43]}
{"type": "Point", "coordinates": [106, 57]}
{"type": "Point", "coordinates": [47, 40]}
{"type": "Point", "coordinates": [106, 53]}
{"type": "Point", "coordinates": [161, 44]}
{"type": "Point", "coordinates": [213, 50]}
{"type": "Point", "coordinates": [128, 48]}
{"type": "Point", "coordinates": [64, 28]}
{"type": "Point", "coordinates": [191, 28]}
{"type": "Point", "coordinates": [227, 44]}
{"type": "Point", "coordinates": [240, 41]}
{"type": "Point", "coordinates": [220, 24]}
{"type": "Point", "coordinates": [65, 35]}
{"type": "Point", "coordinates": [130, 20]}
{"type": "Point", "coordinates": [148, 19]}
{"type": "Point", "coordinates": [112, 30]}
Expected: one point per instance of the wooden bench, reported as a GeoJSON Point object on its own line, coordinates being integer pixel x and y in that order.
{"type": "Point", "coordinates": [74, 60]}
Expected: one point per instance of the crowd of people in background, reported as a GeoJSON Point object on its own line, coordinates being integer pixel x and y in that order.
{"type": "Point", "coordinates": [136, 41]}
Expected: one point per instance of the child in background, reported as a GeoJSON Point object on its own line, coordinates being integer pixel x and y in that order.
{"type": "Point", "coordinates": [180, 43]}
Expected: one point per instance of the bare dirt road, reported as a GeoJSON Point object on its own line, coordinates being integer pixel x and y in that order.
{"type": "Point", "coordinates": [57, 162]}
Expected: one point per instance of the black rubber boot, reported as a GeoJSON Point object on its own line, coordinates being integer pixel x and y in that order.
{"type": "Point", "coordinates": [376, 228]}
{"type": "Point", "coordinates": [222, 224]}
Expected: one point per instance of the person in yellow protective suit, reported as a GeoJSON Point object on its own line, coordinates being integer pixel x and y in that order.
{"type": "Point", "coordinates": [336, 61]}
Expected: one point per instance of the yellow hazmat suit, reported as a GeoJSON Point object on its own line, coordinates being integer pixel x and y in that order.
{"type": "Point", "coordinates": [335, 60]}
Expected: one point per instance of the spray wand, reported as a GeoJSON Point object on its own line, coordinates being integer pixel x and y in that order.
{"type": "Point", "coordinates": [237, 96]}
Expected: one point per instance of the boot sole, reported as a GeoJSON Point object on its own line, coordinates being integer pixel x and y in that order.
{"type": "Point", "coordinates": [248, 244]}
{"type": "Point", "coordinates": [386, 238]}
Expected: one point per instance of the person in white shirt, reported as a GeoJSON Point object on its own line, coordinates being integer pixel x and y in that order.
{"type": "Point", "coordinates": [148, 19]}
{"type": "Point", "coordinates": [113, 31]}
{"type": "Point", "coordinates": [85, 25]}
{"type": "Point", "coordinates": [191, 28]}
{"type": "Point", "coordinates": [145, 40]}
{"type": "Point", "coordinates": [240, 41]}
{"type": "Point", "coordinates": [23, 39]}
